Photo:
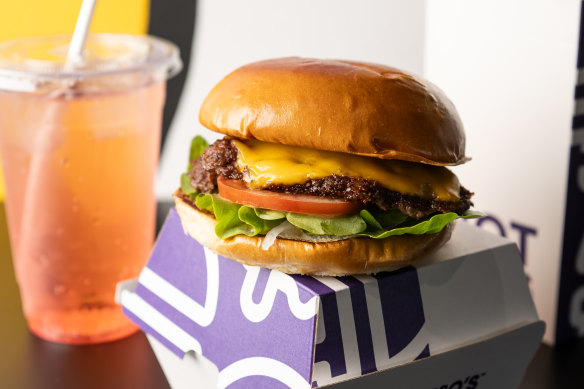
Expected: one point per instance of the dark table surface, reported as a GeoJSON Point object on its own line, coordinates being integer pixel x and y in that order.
{"type": "Point", "coordinates": [27, 362]}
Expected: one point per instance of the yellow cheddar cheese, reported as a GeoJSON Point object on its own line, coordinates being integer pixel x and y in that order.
{"type": "Point", "coordinates": [270, 163]}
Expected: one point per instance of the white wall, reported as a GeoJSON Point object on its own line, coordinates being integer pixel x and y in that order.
{"type": "Point", "coordinates": [232, 33]}
{"type": "Point", "coordinates": [510, 68]}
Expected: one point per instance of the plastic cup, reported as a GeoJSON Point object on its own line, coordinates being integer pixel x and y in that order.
{"type": "Point", "coordinates": [79, 153]}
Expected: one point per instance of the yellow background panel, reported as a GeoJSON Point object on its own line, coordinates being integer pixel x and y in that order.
{"type": "Point", "coordinates": [23, 18]}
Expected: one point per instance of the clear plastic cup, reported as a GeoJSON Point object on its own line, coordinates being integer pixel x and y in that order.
{"type": "Point", "coordinates": [79, 152]}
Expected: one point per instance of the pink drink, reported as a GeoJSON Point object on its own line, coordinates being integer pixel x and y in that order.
{"type": "Point", "coordinates": [79, 165]}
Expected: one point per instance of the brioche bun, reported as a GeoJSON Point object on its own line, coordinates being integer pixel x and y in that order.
{"type": "Point", "coordinates": [337, 258]}
{"type": "Point", "coordinates": [352, 107]}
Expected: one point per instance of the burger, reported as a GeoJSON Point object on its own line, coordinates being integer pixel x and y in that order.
{"type": "Point", "coordinates": [327, 167]}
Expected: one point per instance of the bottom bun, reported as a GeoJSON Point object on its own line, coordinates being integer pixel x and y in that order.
{"type": "Point", "coordinates": [336, 258]}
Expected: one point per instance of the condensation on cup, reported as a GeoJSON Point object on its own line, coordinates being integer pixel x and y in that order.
{"type": "Point", "coordinates": [79, 151]}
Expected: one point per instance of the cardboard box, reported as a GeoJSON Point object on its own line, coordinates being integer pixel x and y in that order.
{"type": "Point", "coordinates": [465, 314]}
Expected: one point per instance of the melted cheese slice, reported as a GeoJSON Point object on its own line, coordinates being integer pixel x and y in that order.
{"type": "Point", "coordinates": [269, 163]}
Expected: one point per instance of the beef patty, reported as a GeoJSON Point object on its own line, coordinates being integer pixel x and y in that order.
{"type": "Point", "coordinates": [220, 159]}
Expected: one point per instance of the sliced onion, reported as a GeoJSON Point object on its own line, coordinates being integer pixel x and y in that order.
{"type": "Point", "coordinates": [271, 236]}
{"type": "Point", "coordinates": [286, 230]}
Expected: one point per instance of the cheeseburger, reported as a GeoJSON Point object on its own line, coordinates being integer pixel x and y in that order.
{"type": "Point", "coordinates": [328, 167]}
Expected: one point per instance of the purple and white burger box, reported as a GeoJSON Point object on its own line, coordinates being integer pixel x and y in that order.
{"type": "Point", "coordinates": [462, 319]}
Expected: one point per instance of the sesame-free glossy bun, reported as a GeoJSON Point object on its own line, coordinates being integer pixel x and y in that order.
{"type": "Point", "coordinates": [342, 257]}
{"type": "Point", "coordinates": [359, 108]}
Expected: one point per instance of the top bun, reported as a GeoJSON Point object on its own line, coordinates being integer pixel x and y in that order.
{"type": "Point", "coordinates": [352, 107]}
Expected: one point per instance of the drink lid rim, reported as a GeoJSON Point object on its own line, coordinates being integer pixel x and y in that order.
{"type": "Point", "coordinates": [162, 55]}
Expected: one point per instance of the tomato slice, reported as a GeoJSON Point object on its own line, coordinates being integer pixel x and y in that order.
{"type": "Point", "coordinates": [236, 192]}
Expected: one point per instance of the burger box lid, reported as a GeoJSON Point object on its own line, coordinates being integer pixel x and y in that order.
{"type": "Point", "coordinates": [259, 327]}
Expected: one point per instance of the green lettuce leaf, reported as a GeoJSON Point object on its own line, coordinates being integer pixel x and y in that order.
{"type": "Point", "coordinates": [338, 225]}
{"type": "Point", "coordinates": [234, 219]}
{"type": "Point", "coordinates": [380, 220]}
{"type": "Point", "coordinates": [430, 225]}
{"type": "Point", "coordinates": [269, 214]}
{"type": "Point", "coordinates": [185, 184]}
{"type": "Point", "coordinates": [198, 145]}
{"type": "Point", "coordinates": [260, 225]}
{"type": "Point", "coordinates": [205, 202]}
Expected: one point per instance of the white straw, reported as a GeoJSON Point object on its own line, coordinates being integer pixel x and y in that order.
{"type": "Point", "coordinates": [75, 53]}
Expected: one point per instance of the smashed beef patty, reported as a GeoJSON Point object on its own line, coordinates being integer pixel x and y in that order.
{"type": "Point", "coordinates": [220, 159]}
